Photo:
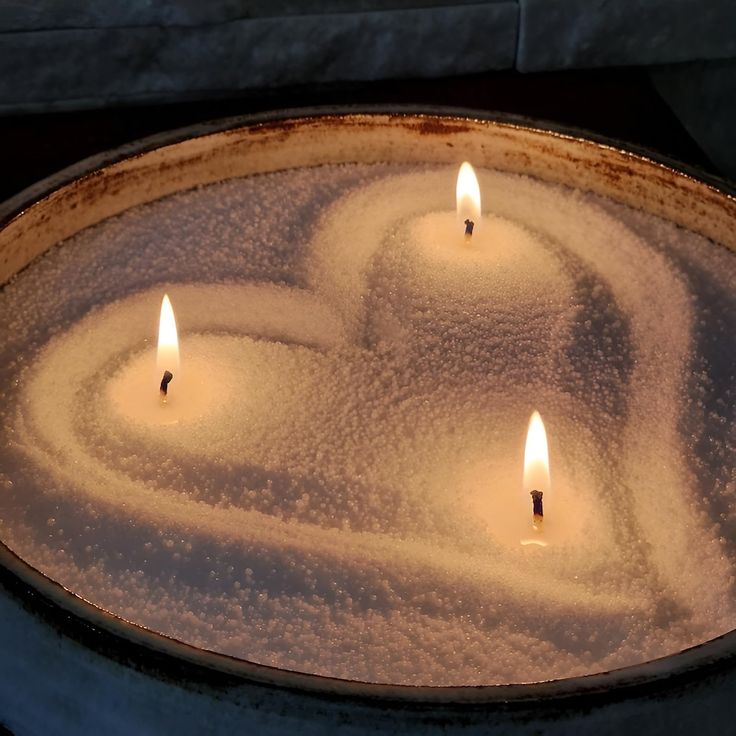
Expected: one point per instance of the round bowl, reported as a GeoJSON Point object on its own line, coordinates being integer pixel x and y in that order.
{"type": "Point", "coordinates": [69, 667]}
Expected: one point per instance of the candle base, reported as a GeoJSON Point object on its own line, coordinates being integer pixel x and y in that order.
{"type": "Point", "coordinates": [131, 396]}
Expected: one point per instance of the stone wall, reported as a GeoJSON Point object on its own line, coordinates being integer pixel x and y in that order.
{"type": "Point", "coordinates": [584, 34]}
{"type": "Point", "coordinates": [69, 54]}
{"type": "Point", "coordinates": [75, 54]}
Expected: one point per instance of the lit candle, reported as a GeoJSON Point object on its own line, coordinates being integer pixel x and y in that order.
{"type": "Point", "coordinates": [131, 388]}
{"type": "Point", "coordinates": [417, 242]}
{"type": "Point", "coordinates": [167, 355]}
{"type": "Point", "coordinates": [467, 196]}
{"type": "Point", "coordinates": [509, 488]}
{"type": "Point", "coordinates": [468, 226]}
{"type": "Point", "coordinates": [237, 352]}
{"type": "Point", "coordinates": [536, 468]}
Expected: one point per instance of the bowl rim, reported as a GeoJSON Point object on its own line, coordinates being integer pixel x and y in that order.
{"type": "Point", "coordinates": [20, 201]}
{"type": "Point", "coordinates": [111, 636]}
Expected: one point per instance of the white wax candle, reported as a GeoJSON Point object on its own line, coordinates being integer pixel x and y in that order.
{"type": "Point", "coordinates": [198, 388]}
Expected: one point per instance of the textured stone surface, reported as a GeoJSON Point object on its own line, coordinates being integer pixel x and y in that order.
{"type": "Point", "coordinates": [703, 96]}
{"type": "Point", "coordinates": [55, 14]}
{"type": "Point", "coordinates": [78, 67]}
{"type": "Point", "coordinates": [566, 34]}
{"type": "Point", "coordinates": [69, 54]}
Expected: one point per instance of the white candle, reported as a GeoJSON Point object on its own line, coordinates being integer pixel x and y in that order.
{"type": "Point", "coordinates": [198, 390]}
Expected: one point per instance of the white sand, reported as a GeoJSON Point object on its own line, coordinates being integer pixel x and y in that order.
{"type": "Point", "coordinates": [344, 497]}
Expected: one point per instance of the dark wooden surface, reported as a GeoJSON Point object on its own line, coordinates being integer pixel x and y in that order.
{"type": "Point", "coordinates": [618, 103]}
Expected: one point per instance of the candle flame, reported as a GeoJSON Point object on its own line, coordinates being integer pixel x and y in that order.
{"type": "Point", "coordinates": [167, 358]}
{"type": "Point", "coordinates": [468, 194]}
{"type": "Point", "coordinates": [536, 457]}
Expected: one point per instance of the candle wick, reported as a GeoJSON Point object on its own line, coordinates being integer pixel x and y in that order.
{"type": "Point", "coordinates": [537, 507]}
{"type": "Point", "coordinates": [469, 225]}
{"type": "Point", "coordinates": [165, 381]}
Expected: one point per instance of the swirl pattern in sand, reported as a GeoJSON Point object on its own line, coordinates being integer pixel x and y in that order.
{"type": "Point", "coordinates": [341, 493]}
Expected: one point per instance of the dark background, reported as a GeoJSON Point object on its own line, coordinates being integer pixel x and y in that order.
{"type": "Point", "coordinates": [616, 103]}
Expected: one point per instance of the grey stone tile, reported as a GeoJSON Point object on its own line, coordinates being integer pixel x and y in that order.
{"type": "Point", "coordinates": [57, 14]}
{"type": "Point", "coordinates": [96, 66]}
{"type": "Point", "coordinates": [565, 34]}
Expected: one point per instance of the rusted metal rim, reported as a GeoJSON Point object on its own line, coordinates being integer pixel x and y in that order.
{"type": "Point", "coordinates": [19, 202]}
{"type": "Point", "coordinates": [171, 660]}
